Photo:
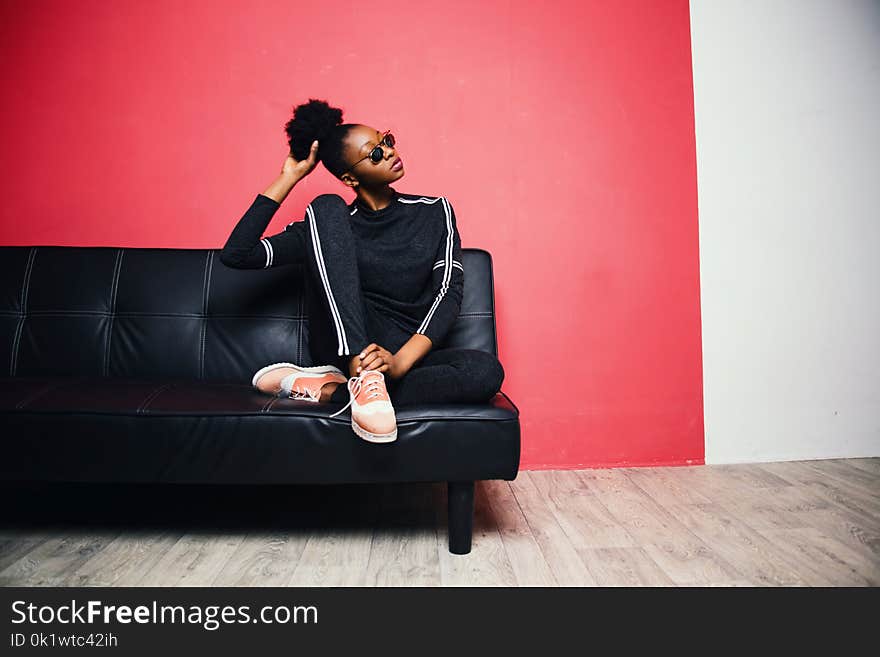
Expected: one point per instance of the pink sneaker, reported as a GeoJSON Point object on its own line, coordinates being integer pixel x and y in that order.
{"type": "Point", "coordinates": [296, 382]}
{"type": "Point", "coordinates": [372, 415]}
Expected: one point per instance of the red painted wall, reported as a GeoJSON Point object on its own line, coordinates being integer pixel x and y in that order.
{"type": "Point", "coordinates": [563, 134]}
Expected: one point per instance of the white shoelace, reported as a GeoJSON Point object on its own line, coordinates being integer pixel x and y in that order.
{"type": "Point", "coordinates": [373, 386]}
{"type": "Point", "coordinates": [303, 393]}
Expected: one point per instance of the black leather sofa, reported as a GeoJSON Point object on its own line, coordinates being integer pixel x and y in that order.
{"type": "Point", "coordinates": [135, 365]}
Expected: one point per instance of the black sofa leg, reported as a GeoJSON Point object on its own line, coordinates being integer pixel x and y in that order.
{"type": "Point", "coordinates": [461, 516]}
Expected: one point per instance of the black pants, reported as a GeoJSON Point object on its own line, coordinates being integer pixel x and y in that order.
{"type": "Point", "coordinates": [342, 323]}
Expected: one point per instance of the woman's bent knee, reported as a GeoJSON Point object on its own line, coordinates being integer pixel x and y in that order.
{"type": "Point", "coordinates": [494, 376]}
{"type": "Point", "coordinates": [486, 374]}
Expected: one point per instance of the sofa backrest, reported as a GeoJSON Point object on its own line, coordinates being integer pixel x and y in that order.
{"type": "Point", "coordinates": [174, 313]}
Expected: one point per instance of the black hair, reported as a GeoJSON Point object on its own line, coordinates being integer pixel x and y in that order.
{"type": "Point", "coordinates": [317, 120]}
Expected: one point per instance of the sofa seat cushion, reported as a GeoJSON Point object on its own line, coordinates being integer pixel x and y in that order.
{"type": "Point", "coordinates": [148, 430]}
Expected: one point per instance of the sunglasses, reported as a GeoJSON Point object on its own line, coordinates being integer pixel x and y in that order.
{"type": "Point", "coordinates": [377, 153]}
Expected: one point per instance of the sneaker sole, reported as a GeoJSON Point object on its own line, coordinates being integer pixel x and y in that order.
{"type": "Point", "coordinates": [317, 369]}
{"type": "Point", "coordinates": [373, 437]}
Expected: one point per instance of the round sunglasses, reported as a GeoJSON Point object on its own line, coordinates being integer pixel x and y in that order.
{"type": "Point", "coordinates": [377, 153]}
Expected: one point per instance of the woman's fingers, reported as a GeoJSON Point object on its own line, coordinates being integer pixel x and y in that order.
{"type": "Point", "coordinates": [374, 359]}
{"type": "Point", "coordinates": [378, 365]}
{"type": "Point", "coordinates": [364, 354]}
{"type": "Point", "coordinates": [366, 362]}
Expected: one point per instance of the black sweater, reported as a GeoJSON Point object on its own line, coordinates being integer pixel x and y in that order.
{"type": "Point", "coordinates": [408, 256]}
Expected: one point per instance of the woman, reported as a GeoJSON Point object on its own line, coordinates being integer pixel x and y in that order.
{"type": "Point", "coordinates": [384, 279]}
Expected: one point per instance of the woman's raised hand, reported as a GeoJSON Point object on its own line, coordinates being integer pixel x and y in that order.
{"type": "Point", "coordinates": [301, 168]}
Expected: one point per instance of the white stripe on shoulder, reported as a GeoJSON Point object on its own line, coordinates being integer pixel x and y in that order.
{"type": "Point", "coordinates": [455, 263]}
{"type": "Point", "coordinates": [270, 253]}
{"type": "Point", "coordinates": [421, 199]}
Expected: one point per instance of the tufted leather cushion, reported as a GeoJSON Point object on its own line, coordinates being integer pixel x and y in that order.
{"type": "Point", "coordinates": [134, 364]}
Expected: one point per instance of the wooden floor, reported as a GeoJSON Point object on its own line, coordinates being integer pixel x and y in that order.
{"type": "Point", "coordinates": [807, 523]}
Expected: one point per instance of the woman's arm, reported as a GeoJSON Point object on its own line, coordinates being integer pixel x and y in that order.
{"type": "Point", "coordinates": [448, 282]}
{"type": "Point", "coordinates": [246, 248]}
{"type": "Point", "coordinates": [281, 186]}
{"type": "Point", "coordinates": [411, 352]}
{"type": "Point", "coordinates": [397, 364]}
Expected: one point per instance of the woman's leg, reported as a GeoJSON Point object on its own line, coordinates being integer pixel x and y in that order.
{"type": "Point", "coordinates": [449, 375]}
{"type": "Point", "coordinates": [341, 323]}
{"type": "Point", "coordinates": [337, 327]}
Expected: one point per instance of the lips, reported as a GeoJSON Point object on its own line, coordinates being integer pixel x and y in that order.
{"type": "Point", "coordinates": [397, 165]}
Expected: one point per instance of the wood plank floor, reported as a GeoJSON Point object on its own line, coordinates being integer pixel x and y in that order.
{"type": "Point", "coordinates": [805, 523]}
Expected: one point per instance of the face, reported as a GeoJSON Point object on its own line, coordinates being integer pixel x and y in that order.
{"type": "Point", "coordinates": [360, 141]}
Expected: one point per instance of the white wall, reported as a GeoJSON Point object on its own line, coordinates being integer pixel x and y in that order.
{"type": "Point", "coordinates": [787, 101]}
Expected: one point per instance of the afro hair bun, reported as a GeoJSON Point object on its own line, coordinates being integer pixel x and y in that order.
{"type": "Point", "coordinates": [313, 120]}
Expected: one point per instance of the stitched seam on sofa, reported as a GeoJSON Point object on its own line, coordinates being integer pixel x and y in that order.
{"type": "Point", "coordinates": [208, 300]}
{"type": "Point", "coordinates": [149, 399]}
{"type": "Point", "coordinates": [299, 331]}
{"type": "Point", "coordinates": [457, 418]}
{"type": "Point", "coordinates": [492, 299]}
{"type": "Point", "coordinates": [25, 286]}
{"type": "Point", "coordinates": [113, 290]}
{"type": "Point", "coordinates": [425, 418]}
{"type": "Point", "coordinates": [178, 413]}
{"type": "Point", "coordinates": [20, 405]}
{"type": "Point", "coordinates": [105, 313]}
{"type": "Point", "coordinates": [204, 315]}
